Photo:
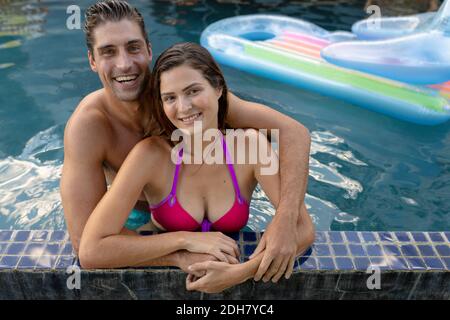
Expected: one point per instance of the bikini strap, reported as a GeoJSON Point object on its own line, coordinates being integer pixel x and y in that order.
{"type": "Point", "coordinates": [231, 169]}
{"type": "Point", "coordinates": [173, 191]}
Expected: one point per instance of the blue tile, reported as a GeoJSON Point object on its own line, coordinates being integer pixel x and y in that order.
{"type": "Point", "coordinates": [386, 236]}
{"type": "Point", "coordinates": [381, 263]}
{"type": "Point", "coordinates": [249, 248]}
{"type": "Point", "coordinates": [39, 236]}
{"type": "Point", "coordinates": [436, 237]}
{"type": "Point", "coordinates": [15, 248]}
{"type": "Point", "coordinates": [335, 237]}
{"type": "Point", "coordinates": [426, 250]}
{"type": "Point", "coordinates": [58, 235]}
{"type": "Point", "coordinates": [234, 235]}
{"type": "Point", "coordinates": [21, 236]}
{"type": "Point", "coordinates": [5, 235]}
{"type": "Point", "coordinates": [46, 262]}
{"type": "Point", "coordinates": [398, 263]}
{"type": "Point", "coordinates": [321, 250]}
{"type": "Point", "coordinates": [9, 262]}
{"type": "Point", "coordinates": [52, 249]}
{"type": "Point", "coordinates": [340, 250]}
{"type": "Point", "coordinates": [3, 246]}
{"type": "Point", "coordinates": [362, 263]}
{"type": "Point", "coordinates": [357, 250]}
{"type": "Point", "coordinates": [326, 264]}
{"type": "Point", "coordinates": [27, 262]}
{"type": "Point", "coordinates": [307, 263]}
{"type": "Point", "coordinates": [391, 250]}
{"type": "Point", "coordinates": [249, 236]}
{"type": "Point", "coordinates": [369, 236]}
{"type": "Point", "coordinates": [320, 237]}
{"type": "Point", "coordinates": [409, 250]}
{"type": "Point", "coordinates": [434, 263]}
{"type": "Point", "coordinates": [443, 250]}
{"type": "Point", "coordinates": [34, 249]}
{"type": "Point", "coordinates": [447, 235]}
{"type": "Point", "coordinates": [352, 237]}
{"type": "Point", "coordinates": [308, 252]}
{"type": "Point", "coordinates": [64, 262]}
{"type": "Point", "coordinates": [344, 263]}
{"type": "Point", "coordinates": [67, 250]}
{"type": "Point", "coordinates": [403, 237]}
{"type": "Point", "coordinates": [419, 237]}
{"type": "Point", "coordinates": [416, 263]}
{"type": "Point", "coordinates": [447, 262]}
{"type": "Point", "coordinates": [374, 250]}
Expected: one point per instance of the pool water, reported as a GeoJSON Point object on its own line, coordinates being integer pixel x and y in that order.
{"type": "Point", "coordinates": [367, 171]}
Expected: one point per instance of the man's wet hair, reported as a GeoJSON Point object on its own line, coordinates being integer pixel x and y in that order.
{"type": "Point", "coordinates": [110, 11]}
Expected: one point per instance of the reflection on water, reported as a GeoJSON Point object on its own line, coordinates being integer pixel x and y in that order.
{"type": "Point", "coordinates": [29, 184]}
{"type": "Point", "coordinates": [22, 18]}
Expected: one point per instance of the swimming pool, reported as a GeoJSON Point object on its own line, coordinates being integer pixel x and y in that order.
{"type": "Point", "coordinates": [367, 171]}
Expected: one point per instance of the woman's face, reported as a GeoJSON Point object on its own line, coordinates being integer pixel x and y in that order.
{"type": "Point", "coordinates": [187, 97]}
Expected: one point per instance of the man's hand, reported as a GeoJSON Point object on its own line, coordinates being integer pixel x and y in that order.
{"type": "Point", "coordinates": [217, 276]}
{"type": "Point", "coordinates": [284, 240]}
{"type": "Point", "coordinates": [279, 244]}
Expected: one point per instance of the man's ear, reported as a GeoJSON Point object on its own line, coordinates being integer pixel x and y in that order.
{"type": "Point", "coordinates": [92, 61]}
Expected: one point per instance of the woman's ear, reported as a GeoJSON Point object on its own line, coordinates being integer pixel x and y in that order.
{"type": "Point", "coordinates": [219, 92]}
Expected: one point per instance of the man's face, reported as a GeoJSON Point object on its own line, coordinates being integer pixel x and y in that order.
{"type": "Point", "coordinates": [121, 58]}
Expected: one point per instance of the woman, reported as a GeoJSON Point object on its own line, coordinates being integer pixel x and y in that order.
{"type": "Point", "coordinates": [188, 90]}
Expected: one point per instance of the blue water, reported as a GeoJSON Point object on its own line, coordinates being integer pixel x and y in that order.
{"type": "Point", "coordinates": [367, 171]}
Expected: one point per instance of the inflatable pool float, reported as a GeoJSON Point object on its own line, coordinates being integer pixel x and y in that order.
{"type": "Point", "coordinates": [288, 50]}
{"type": "Point", "coordinates": [421, 58]}
{"type": "Point", "coordinates": [391, 27]}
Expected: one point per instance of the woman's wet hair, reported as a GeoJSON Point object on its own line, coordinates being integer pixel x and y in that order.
{"type": "Point", "coordinates": [194, 56]}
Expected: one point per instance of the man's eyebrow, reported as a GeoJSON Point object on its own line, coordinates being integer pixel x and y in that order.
{"type": "Point", "coordinates": [106, 46]}
{"type": "Point", "coordinates": [185, 89]}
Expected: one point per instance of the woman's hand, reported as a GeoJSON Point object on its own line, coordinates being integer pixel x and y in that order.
{"type": "Point", "coordinates": [214, 243]}
{"type": "Point", "coordinates": [217, 277]}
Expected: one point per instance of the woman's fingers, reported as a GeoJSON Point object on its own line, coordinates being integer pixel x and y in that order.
{"type": "Point", "coordinates": [232, 259]}
{"type": "Point", "coordinates": [219, 255]}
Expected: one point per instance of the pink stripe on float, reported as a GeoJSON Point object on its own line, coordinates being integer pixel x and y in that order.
{"type": "Point", "coordinates": [307, 38]}
{"type": "Point", "coordinates": [295, 49]}
{"type": "Point", "coordinates": [302, 44]}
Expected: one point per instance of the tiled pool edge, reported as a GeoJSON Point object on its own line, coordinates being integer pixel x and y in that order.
{"type": "Point", "coordinates": [414, 265]}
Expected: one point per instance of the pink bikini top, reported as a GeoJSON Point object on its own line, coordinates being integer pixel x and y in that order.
{"type": "Point", "coordinates": [173, 217]}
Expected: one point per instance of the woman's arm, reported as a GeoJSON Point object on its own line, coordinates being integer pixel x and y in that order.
{"type": "Point", "coordinates": [102, 245]}
{"type": "Point", "coordinates": [294, 144]}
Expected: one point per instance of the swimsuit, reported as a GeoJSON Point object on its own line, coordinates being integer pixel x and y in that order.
{"type": "Point", "coordinates": [173, 217]}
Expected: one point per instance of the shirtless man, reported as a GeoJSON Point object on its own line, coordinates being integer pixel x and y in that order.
{"type": "Point", "coordinates": [106, 126]}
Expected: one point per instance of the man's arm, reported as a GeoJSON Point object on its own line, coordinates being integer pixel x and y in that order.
{"type": "Point", "coordinates": [293, 145]}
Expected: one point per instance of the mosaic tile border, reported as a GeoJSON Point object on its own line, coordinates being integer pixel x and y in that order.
{"type": "Point", "coordinates": [332, 250]}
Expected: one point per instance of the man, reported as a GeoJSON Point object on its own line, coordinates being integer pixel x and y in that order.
{"type": "Point", "coordinates": [106, 126]}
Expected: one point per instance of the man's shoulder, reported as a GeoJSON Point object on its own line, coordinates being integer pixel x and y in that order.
{"type": "Point", "coordinates": [89, 115]}
{"type": "Point", "coordinates": [89, 123]}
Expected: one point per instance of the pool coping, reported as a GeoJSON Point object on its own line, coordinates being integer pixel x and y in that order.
{"type": "Point", "coordinates": [337, 266]}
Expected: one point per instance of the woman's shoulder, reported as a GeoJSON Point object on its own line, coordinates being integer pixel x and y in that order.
{"type": "Point", "coordinates": [151, 148]}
